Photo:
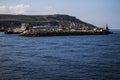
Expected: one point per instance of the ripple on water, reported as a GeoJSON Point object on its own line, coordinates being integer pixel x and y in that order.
{"type": "Point", "coordinates": [59, 58]}
{"type": "Point", "coordinates": [7, 45]}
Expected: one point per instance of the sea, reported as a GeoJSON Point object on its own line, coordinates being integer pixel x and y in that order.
{"type": "Point", "coordinates": [84, 57]}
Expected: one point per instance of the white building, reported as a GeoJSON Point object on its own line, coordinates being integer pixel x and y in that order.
{"type": "Point", "coordinates": [53, 28]}
{"type": "Point", "coordinates": [24, 26]}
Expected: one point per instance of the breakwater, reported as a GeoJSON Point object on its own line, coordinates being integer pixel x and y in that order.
{"type": "Point", "coordinates": [62, 33]}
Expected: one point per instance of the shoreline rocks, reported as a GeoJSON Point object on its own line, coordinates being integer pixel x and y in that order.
{"type": "Point", "coordinates": [31, 33]}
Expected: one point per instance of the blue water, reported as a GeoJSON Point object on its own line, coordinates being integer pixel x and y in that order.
{"type": "Point", "coordinates": [93, 57]}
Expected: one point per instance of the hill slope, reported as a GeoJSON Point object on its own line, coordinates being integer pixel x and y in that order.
{"type": "Point", "coordinates": [64, 21]}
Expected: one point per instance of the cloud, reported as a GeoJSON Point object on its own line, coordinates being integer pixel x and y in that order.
{"type": "Point", "coordinates": [17, 9]}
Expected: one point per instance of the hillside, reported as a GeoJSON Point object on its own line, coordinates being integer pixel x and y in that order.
{"type": "Point", "coordinates": [64, 21]}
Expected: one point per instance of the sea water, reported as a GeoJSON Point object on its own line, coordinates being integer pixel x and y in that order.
{"type": "Point", "coordinates": [88, 57]}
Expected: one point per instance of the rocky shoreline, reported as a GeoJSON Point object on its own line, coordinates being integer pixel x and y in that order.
{"type": "Point", "coordinates": [31, 33]}
{"type": "Point", "coordinates": [26, 31]}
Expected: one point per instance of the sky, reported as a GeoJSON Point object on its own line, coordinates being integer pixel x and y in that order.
{"type": "Point", "coordinates": [96, 12]}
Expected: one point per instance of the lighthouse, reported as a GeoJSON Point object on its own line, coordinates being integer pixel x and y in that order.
{"type": "Point", "coordinates": [106, 28]}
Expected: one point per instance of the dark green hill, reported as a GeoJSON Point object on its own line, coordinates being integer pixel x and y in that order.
{"type": "Point", "coordinates": [7, 20]}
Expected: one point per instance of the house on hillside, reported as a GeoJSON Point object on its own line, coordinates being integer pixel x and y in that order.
{"type": "Point", "coordinates": [24, 26]}
{"type": "Point", "coordinates": [52, 28]}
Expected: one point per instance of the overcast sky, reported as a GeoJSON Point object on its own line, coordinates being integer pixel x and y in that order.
{"type": "Point", "coordinates": [96, 12]}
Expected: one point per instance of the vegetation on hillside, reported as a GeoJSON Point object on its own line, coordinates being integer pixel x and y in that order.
{"type": "Point", "coordinates": [7, 20]}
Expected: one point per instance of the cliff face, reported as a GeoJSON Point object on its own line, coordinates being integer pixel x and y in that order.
{"type": "Point", "coordinates": [64, 21]}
